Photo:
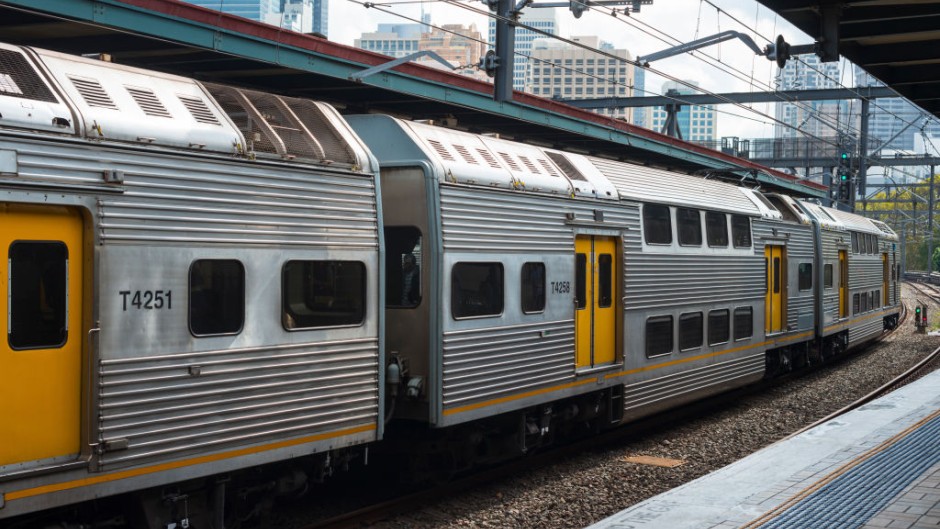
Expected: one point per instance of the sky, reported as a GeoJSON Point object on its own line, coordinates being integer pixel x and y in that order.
{"type": "Point", "coordinates": [685, 20]}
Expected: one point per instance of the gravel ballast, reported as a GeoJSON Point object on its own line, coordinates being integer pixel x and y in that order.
{"type": "Point", "coordinates": [579, 491]}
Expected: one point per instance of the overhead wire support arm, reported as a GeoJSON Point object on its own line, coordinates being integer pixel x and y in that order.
{"type": "Point", "coordinates": [359, 76]}
{"type": "Point", "coordinates": [701, 43]}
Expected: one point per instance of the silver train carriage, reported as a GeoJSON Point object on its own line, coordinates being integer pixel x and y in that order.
{"type": "Point", "coordinates": [191, 279]}
{"type": "Point", "coordinates": [573, 289]}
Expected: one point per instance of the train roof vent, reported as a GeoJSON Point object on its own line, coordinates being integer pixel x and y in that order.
{"type": "Point", "coordinates": [199, 109]}
{"type": "Point", "coordinates": [19, 79]}
{"type": "Point", "coordinates": [148, 102]}
{"type": "Point", "coordinates": [286, 126]}
{"type": "Point", "coordinates": [510, 161]}
{"type": "Point", "coordinates": [549, 168]}
{"type": "Point", "coordinates": [490, 159]}
{"type": "Point", "coordinates": [566, 167]}
{"type": "Point", "coordinates": [442, 150]}
{"type": "Point", "coordinates": [92, 92]}
{"type": "Point", "coordinates": [466, 154]}
{"type": "Point", "coordinates": [528, 163]}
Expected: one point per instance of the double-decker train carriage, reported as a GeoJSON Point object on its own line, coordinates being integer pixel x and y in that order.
{"type": "Point", "coordinates": [560, 289]}
{"type": "Point", "coordinates": [191, 274]}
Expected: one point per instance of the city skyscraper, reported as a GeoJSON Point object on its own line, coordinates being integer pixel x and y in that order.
{"type": "Point", "coordinates": [822, 119]}
{"type": "Point", "coordinates": [302, 16]}
{"type": "Point", "coordinates": [542, 19]}
{"type": "Point", "coordinates": [889, 118]}
{"type": "Point", "coordinates": [557, 69]}
{"type": "Point", "coordinates": [394, 40]}
{"type": "Point", "coordinates": [696, 122]}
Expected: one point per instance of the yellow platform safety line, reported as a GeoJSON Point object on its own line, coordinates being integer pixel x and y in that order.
{"type": "Point", "coordinates": [135, 472]}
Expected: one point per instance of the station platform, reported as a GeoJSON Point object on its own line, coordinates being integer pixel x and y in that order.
{"type": "Point", "coordinates": [874, 467]}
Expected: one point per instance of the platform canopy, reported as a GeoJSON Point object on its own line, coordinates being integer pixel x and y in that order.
{"type": "Point", "coordinates": [180, 38]}
{"type": "Point", "coordinates": [897, 41]}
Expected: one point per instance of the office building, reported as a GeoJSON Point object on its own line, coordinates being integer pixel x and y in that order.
{"type": "Point", "coordinates": [560, 70]}
{"type": "Point", "coordinates": [302, 16]}
{"type": "Point", "coordinates": [394, 40]}
{"type": "Point", "coordinates": [542, 19]}
{"type": "Point", "coordinates": [696, 122]}
{"type": "Point", "coordinates": [894, 120]}
{"type": "Point", "coordinates": [820, 119]}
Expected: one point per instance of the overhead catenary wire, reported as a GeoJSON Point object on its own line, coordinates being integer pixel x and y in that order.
{"type": "Point", "coordinates": [379, 7]}
{"type": "Point", "coordinates": [682, 82]}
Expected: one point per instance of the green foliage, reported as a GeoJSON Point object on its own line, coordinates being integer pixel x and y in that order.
{"type": "Point", "coordinates": [905, 210]}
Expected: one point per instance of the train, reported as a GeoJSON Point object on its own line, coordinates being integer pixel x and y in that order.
{"type": "Point", "coordinates": [217, 295]}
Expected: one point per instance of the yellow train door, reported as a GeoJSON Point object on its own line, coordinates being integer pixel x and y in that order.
{"type": "Point", "coordinates": [843, 284]}
{"type": "Point", "coordinates": [775, 300]}
{"type": "Point", "coordinates": [885, 280]}
{"type": "Point", "coordinates": [595, 300]}
{"type": "Point", "coordinates": [40, 359]}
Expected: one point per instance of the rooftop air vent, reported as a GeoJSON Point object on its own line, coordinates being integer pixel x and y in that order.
{"type": "Point", "coordinates": [93, 93]}
{"type": "Point", "coordinates": [199, 109]}
{"type": "Point", "coordinates": [439, 147]}
{"type": "Point", "coordinates": [566, 167]}
{"type": "Point", "coordinates": [490, 159]}
{"type": "Point", "coordinates": [149, 102]}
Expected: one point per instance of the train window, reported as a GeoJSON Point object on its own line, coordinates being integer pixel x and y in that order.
{"type": "Point", "coordinates": [776, 275]}
{"type": "Point", "coordinates": [873, 248]}
{"type": "Point", "coordinates": [403, 261]}
{"type": "Point", "coordinates": [38, 294]}
{"type": "Point", "coordinates": [533, 287]}
{"type": "Point", "coordinates": [216, 297]}
{"type": "Point", "coordinates": [741, 231]}
{"type": "Point", "coordinates": [689, 225]}
{"type": "Point", "coordinates": [871, 300]}
{"type": "Point", "coordinates": [863, 307]}
{"type": "Point", "coordinates": [716, 229]}
{"type": "Point", "coordinates": [476, 289]}
{"type": "Point", "coordinates": [827, 276]}
{"type": "Point", "coordinates": [657, 228]}
{"type": "Point", "coordinates": [743, 323]}
{"type": "Point", "coordinates": [805, 276]}
{"type": "Point", "coordinates": [855, 242]}
{"type": "Point", "coordinates": [876, 299]}
{"type": "Point", "coordinates": [691, 326]}
{"type": "Point", "coordinates": [718, 326]}
{"type": "Point", "coordinates": [856, 305]}
{"type": "Point", "coordinates": [605, 280]}
{"type": "Point", "coordinates": [323, 294]}
{"type": "Point", "coordinates": [658, 336]}
{"type": "Point", "coordinates": [580, 281]}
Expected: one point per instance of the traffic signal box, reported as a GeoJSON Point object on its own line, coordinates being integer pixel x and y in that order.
{"type": "Point", "coordinates": [920, 318]}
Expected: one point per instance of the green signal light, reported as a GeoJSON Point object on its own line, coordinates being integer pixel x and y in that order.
{"type": "Point", "coordinates": [845, 156]}
{"type": "Point", "coordinates": [917, 311]}
{"type": "Point", "coordinates": [843, 177]}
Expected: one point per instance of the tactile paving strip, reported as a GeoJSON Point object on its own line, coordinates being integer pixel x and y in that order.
{"type": "Point", "coordinates": [858, 492]}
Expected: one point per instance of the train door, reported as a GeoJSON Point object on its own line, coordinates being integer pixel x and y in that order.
{"type": "Point", "coordinates": [885, 280]}
{"type": "Point", "coordinates": [40, 359]}
{"type": "Point", "coordinates": [595, 306]}
{"type": "Point", "coordinates": [843, 284]}
{"type": "Point", "coordinates": [775, 300]}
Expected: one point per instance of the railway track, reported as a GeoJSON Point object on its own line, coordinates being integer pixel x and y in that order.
{"type": "Point", "coordinates": [927, 289]}
{"type": "Point", "coordinates": [377, 512]}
